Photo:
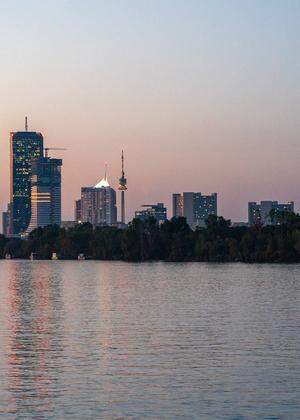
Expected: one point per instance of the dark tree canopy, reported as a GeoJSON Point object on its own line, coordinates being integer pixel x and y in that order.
{"type": "Point", "coordinates": [173, 240]}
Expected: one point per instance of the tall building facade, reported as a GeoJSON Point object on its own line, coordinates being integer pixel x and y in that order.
{"type": "Point", "coordinates": [177, 202]}
{"type": "Point", "coordinates": [261, 213]}
{"type": "Point", "coordinates": [24, 146]}
{"type": "Point", "coordinates": [5, 223]}
{"type": "Point", "coordinates": [195, 207]}
{"type": "Point", "coordinates": [158, 211]}
{"type": "Point", "coordinates": [77, 211]}
{"type": "Point", "coordinates": [98, 204]}
{"type": "Point", "coordinates": [45, 192]}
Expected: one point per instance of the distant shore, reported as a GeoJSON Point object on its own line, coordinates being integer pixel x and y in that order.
{"type": "Point", "coordinates": [172, 241]}
{"type": "Point", "coordinates": [151, 261]}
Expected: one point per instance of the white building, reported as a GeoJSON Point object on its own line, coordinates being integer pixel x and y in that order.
{"type": "Point", "coordinates": [98, 204]}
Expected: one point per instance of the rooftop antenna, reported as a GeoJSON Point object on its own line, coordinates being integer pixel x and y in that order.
{"type": "Point", "coordinates": [26, 124]}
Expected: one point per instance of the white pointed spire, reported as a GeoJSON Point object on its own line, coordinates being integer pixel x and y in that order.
{"type": "Point", "coordinates": [104, 182]}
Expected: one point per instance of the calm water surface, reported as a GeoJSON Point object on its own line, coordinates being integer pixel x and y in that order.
{"type": "Point", "coordinates": [115, 340]}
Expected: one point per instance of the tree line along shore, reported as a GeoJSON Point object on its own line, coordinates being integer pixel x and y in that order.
{"type": "Point", "coordinates": [173, 240]}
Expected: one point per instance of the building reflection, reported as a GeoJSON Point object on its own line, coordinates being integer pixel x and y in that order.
{"type": "Point", "coordinates": [35, 307]}
{"type": "Point", "coordinates": [70, 328]}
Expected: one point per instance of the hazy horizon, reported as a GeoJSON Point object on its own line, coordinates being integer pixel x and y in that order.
{"type": "Point", "coordinates": [202, 96]}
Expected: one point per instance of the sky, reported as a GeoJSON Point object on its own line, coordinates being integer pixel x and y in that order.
{"type": "Point", "coordinates": [201, 95]}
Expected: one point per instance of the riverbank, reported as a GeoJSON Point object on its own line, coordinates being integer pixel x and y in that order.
{"type": "Point", "coordinates": [171, 241]}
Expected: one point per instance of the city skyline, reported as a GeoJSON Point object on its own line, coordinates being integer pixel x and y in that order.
{"type": "Point", "coordinates": [169, 199]}
{"type": "Point", "coordinates": [208, 106]}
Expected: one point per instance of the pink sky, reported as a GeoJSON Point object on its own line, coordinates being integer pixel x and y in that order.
{"type": "Point", "coordinates": [201, 99]}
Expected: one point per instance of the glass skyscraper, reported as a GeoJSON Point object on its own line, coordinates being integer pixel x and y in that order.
{"type": "Point", "coordinates": [45, 192]}
{"type": "Point", "coordinates": [24, 146]}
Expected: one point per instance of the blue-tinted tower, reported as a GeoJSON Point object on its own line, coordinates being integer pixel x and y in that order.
{"type": "Point", "coordinates": [24, 146]}
{"type": "Point", "coordinates": [45, 192]}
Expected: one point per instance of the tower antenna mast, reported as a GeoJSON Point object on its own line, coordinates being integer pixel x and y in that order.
{"type": "Point", "coordinates": [122, 187]}
{"type": "Point", "coordinates": [26, 124]}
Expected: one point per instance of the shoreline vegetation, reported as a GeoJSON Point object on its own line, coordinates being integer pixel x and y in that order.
{"type": "Point", "coordinates": [173, 240]}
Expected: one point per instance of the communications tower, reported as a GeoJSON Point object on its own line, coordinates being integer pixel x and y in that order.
{"type": "Point", "coordinates": [122, 187]}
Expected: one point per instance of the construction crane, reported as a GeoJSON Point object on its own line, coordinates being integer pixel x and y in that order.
{"type": "Point", "coordinates": [46, 149]}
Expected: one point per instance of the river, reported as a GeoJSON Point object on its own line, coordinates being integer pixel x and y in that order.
{"type": "Point", "coordinates": [150, 340]}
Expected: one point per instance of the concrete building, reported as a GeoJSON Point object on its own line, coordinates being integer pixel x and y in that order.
{"type": "Point", "coordinates": [98, 204]}
{"type": "Point", "coordinates": [77, 211]}
{"type": "Point", "coordinates": [260, 213]}
{"type": "Point", "coordinates": [177, 202]}
{"type": "Point", "coordinates": [24, 146]}
{"type": "Point", "coordinates": [195, 207]}
{"type": "Point", "coordinates": [45, 192]}
{"type": "Point", "coordinates": [158, 211]}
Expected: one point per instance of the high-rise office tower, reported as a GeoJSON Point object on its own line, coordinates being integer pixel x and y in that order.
{"type": "Point", "coordinates": [158, 211]}
{"type": "Point", "coordinates": [195, 207]}
{"type": "Point", "coordinates": [24, 146]}
{"type": "Point", "coordinates": [98, 204]}
{"type": "Point", "coordinates": [45, 192]}
{"type": "Point", "coordinates": [261, 214]}
{"type": "Point", "coordinates": [122, 187]}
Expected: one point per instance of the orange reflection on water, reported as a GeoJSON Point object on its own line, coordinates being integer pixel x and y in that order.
{"type": "Point", "coordinates": [30, 334]}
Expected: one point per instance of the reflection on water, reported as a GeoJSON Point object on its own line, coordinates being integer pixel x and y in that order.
{"type": "Point", "coordinates": [33, 324]}
{"type": "Point", "coordinates": [114, 340]}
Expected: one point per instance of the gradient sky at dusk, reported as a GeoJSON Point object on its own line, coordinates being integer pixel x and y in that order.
{"type": "Point", "coordinates": [202, 95]}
